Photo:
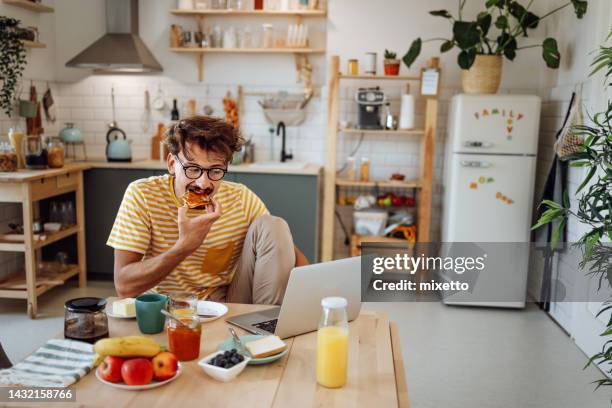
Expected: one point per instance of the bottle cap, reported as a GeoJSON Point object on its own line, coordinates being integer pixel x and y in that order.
{"type": "Point", "coordinates": [333, 302]}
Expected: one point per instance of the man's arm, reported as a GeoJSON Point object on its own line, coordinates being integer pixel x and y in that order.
{"type": "Point", "coordinates": [300, 258]}
{"type": "Point", "coordinates": [134, 276]}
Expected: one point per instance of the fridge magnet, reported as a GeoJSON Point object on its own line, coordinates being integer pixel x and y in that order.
{"type": "Point", "coordinates": [510, 121]}
{"type": "Point", "coordinates": [473, 186]}
{"type": "Point", "coordinates": [477, 115]}
{"type": "Point", "coordinates": [485, 112]}
{"type": "Point", "coordinates": [511, 114]}
{"type": "Point", "coordinates": [509, 129]}
{"type": "Point", "coordinates": [504, 113]}
{"type": "Point", "coordinates": [490, 180]}
{"type": "Point", "coordinates": [520, 116]}
{"type": "Point", "coordinates": [481, 180]}
{"type": "Point", "coordinates": [495, 111]}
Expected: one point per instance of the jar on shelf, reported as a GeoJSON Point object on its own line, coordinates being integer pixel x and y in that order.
{"type": "Point", "coordinates": [364, 169]}
{"type": "Point", "coordinates": [8, 157]}
{"type": "Point", "coordinates": [267, 36]}
{"type": "Point", "coordinates": [55, 153]}
{"type": "Point", "coordinates": [351, 168]}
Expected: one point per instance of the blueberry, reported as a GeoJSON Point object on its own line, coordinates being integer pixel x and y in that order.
{"type": "Point", "coordinates": [240, 358]}
{"type": "Point", "coordinates": [233, 350]}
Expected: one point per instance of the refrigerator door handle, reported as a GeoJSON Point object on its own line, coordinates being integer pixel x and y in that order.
{"type": "Point", "coordinates": [477, 143]}
{"type": "Point", "coordinates": [475, 163]}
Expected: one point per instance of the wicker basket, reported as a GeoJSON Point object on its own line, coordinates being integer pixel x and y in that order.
{"type": "Point", "coordinates": [484, 76]}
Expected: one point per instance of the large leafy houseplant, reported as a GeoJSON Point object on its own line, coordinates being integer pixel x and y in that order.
{"type": "Point", "coordinates": [511, 20]}
{"type": "Point", "coordinates": [12, 61]}
{"type": "Point", "coordinates": [594, 207]}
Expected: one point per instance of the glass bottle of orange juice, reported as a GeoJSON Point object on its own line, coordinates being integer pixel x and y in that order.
{"type": "Point", "coordinates": [332, 343]}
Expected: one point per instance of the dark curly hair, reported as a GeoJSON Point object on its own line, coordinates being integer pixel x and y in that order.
{"type": "Point", "coordinates": [209, 133]}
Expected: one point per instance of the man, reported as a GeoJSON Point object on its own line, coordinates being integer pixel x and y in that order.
{"type": "Point", "coordinates": [232, 250]}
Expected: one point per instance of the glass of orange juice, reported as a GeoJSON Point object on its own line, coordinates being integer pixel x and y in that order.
{"type": "Point", "coordinates": [332, 343]}
{"type": "Point", "coordinates": [182, 304]}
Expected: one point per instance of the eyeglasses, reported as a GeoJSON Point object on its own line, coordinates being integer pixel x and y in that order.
{"type": "Point", "coordinates": [195, 172]}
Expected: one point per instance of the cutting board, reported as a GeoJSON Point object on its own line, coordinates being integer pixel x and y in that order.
{"type": "Point", "coordinates": [156, 141]}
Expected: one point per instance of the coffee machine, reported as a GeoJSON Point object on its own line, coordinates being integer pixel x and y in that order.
{"type": "Point", "coordinates": [370, 101]}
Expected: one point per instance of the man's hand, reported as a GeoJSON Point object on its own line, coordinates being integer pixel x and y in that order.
{"type": "Point", "coordinates": [193, 230]}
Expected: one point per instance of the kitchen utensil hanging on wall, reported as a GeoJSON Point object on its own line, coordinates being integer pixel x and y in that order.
{"type": "Point", "coordinates": [49, 105]}
{"type": "Point", "coordinates": [146, 115]}
{"type": "Point", "coordinates": [158, 102]}
{"type": "Point", "coordinates": [34, 124]}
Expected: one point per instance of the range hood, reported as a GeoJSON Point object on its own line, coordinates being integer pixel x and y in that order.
{"type": "Point", "coordinates": [120, 50]}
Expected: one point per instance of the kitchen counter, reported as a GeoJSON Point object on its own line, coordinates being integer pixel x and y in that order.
{"type": "Point", "coordinates": [23, 175]}
{"type": "Point", "coordinates": [308, 169]}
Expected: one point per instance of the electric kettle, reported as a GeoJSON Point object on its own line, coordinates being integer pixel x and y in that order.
{"type": "Point", "coordinates": [118, 147]}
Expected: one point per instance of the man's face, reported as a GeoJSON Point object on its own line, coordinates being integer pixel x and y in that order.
{"type": "Point", "coordinates": [199, 157]}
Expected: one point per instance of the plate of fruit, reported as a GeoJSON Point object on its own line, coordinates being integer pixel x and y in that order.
{"type": "Point", "coordinates": [135, 363]}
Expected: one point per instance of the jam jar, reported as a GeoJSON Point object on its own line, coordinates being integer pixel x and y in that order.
{"type": "Point", "coordinates": [85, 319]}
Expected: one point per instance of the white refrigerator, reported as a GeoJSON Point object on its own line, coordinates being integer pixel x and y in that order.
{"type": "Point", "coordinates": [489, 176]}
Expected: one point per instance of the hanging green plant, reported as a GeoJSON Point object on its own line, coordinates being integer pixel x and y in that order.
{"type": "Point", "coordinates": [12, 61]}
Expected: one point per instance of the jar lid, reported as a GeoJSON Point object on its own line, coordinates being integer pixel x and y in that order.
{"type": "Point", "coordinates": [333, 302]}
{"type": "Point", "coordinates": [85, 305]}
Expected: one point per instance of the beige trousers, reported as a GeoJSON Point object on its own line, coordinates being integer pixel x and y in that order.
{"type": "Point", "coordinates": [262, 272]}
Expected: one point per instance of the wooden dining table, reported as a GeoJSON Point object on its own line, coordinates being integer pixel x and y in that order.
{"type": "Point", "coordinates": [375, 372]}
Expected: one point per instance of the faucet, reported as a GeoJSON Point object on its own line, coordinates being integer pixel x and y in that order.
{"type": "Point", "coordinates": [284, 155]}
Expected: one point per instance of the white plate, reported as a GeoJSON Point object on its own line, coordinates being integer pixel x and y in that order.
{"type": "Point", "coordinates": [208, 307]}
{"type": "Point", "coordinates": [153, 384]}
{"type": "Point", "coordinates": [109, 313]}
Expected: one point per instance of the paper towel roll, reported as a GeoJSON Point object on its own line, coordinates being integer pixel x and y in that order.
{"type": "Point", "coordinates": [407, 112]}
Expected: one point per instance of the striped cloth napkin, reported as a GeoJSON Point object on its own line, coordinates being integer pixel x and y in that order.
{"type": "Point", "coordinates": [58, 363]}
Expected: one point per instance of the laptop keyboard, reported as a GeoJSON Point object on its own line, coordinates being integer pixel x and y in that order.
{"type": "Point", "coordinates": [269, 325]}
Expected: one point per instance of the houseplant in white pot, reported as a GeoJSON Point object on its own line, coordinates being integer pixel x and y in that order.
{"type": "Point", "coordinates": [495, 33]}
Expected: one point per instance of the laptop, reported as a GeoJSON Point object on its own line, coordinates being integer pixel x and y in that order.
{"type": "Point", "coordinates": [300, 311]}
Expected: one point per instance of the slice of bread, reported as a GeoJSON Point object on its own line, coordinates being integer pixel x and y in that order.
{"type": "Point", "coordinates": [266, 346]}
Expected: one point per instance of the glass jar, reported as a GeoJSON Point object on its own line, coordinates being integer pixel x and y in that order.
{"type": "Point", "coordinates": [332, 343]}
{"type": "Point", "coordinates": [8, 157]}
{"type": "Point", "coordinates": [182, 304]}
{"type": "Point", "coordinates": [184, 339]}
{"type": "Point", "coordinates": [85, 319]}
{"type": "Point", "coordinates": [55, 153]}
{"type": "Point", "coordinates": [353, 67]}
{"type": "Point", "coordinates": [267, 36]}
{"type": "Point", "coordinates": [34, 152]}
{"type": "Point", "coordinates": [351, 168]}
{"type": "Point", "coordinates": [364, 169]}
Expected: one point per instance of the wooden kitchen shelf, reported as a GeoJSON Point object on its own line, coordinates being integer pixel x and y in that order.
{"type": "Point", "coordinates": [383, 131]}
{"type": "Point", "coordinates": [213, 12]}
{"type": "Point", "coordinates": [379, 183]}
{"type": "Point", "coordinates": [197, 50]}
{"type": "Point", "coordinates": [34, 44]}
{"type": "Point", "coordinates": [29, 5]}
{"type": "Point", "coordinates": [15, 286]}
{"type": "Point", "coordinates": [39, 241]}
{"type": "Point", "coordinates": [424, 183]}
{"type": "Point", "coordinates": [28, 187]}
{"type": "Point", "coordinates": [381, 77]}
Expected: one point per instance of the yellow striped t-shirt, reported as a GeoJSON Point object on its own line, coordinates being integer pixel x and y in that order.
{"type": "Point", "coordinates": [147, 224]}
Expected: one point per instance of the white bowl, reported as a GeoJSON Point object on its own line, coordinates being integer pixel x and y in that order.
{"type": "Point", "coordinates": [219, 373]}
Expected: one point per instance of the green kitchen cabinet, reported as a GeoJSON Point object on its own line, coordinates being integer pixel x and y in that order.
{"type": "Point", "coordinates": [292, 197]}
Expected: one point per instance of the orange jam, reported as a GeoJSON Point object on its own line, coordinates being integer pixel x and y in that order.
{"type": "Point", "coordinates": [183, 341]}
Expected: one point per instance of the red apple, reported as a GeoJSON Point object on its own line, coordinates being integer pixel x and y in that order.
{"type": "Point", "coordinates": [165, 365]}
{"type": "Point", "coordinates": [110, 369]}
{"type": "Point", "coordinates": [137, 371]}
{"type": "Point", "coordinates": [397, 201]}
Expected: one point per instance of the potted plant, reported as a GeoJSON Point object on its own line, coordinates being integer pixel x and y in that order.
{"type": "Point", "coordinates": [594, 207]}
{"type": "Point", "coordinates": [495, 33]}
{"type": "Point", "coordinates": [392, 64]}
{"type": "Point", "coordinates": [12, 61]}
